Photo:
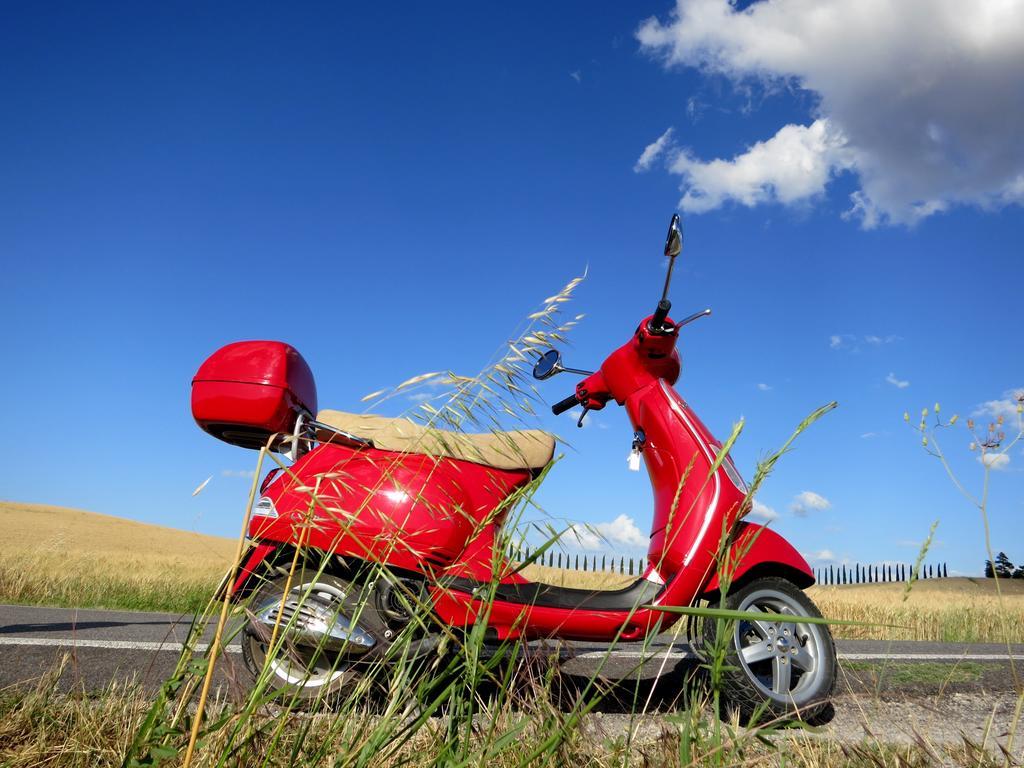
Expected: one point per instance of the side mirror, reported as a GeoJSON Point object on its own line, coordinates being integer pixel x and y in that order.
{"type": "Point", "coordinates": [673, 247]}
{"type": "Point", "coordinates": [674, 239]}
{"type": "Point", "coordinates": [549, 364]}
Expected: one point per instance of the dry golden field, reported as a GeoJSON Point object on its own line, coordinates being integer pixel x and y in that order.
{"type": "Point", "coordinates": [560, 577]}
{"type": "Point", "coordinates": [59, 556]}
{"type": "Point", "coordinates": [954, 610]}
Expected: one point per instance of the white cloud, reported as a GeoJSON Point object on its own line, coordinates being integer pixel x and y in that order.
{"type": "Point", "coordinates": [1006, 406]}
{"type": "Point", "coordinates": [622, 530]}
{"type": "Point", "coordinates": [809, 501]}
{"type": "Point", "coordinates": [694, 108]}
{"type": "Point", "coordinates": [247, 473]}
{"type": "Point", "coordinates": [898, 383]}
{"type": "Point", "coordinates": [792, 166]}
{"type": "Point", "coordinates": [762, 512]}
{"type": "Point", "coordinates": [653, 151]}
{"type": "Point", "coordinates": [869, 435]}
{"type": "Point", "coordinates": [825, 555]}
{"type": "Point", "coordinates": [920, 99]}
{"type": "Point", "coordinates": [576, 75]}
{"type": "Point", "coordinates": [879, 340]}
{"type": "Point", "coordinates": [764, 387]}
{"type": "Point", "coordinates": [996, 461]}
{"type": "Point", "coordinates": [583, 537]}
{"type": "Point", "coordinates": [853, 342]}
{"type": "Point", "coordinates": [433, 388]}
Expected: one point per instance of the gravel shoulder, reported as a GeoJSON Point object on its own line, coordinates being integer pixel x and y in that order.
{"type": "Point", "coordinates": [971, 724]}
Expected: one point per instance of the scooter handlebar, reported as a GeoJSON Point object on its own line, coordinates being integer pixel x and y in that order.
{"type": "Point", "coordinates": [564, 405]}
{"type": "Point", "coordinates": [658, 318]}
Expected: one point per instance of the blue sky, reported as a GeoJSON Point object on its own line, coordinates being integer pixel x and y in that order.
{"type": "Point", "coordinates": [393, 190]}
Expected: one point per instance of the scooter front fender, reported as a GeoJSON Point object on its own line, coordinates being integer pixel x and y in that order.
{"type": "Point", "coordinates": [759, 551]}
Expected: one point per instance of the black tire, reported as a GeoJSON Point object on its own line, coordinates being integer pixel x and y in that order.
{"type": "Point", "coordinates": [306, 671]}
{"type": "Point", "coordinates": [785, 669]}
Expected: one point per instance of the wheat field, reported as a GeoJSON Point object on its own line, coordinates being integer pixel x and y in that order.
{"type": "Point", "coordinates": [944, 610]}
{"type": "Point", "coordinates": [67, 557]}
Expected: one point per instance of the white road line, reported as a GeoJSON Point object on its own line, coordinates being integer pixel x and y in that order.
{"type": "Point", "coordinates": [842, 656]}
{"type": "Point", "coordinates": [630, 654]}
{"type": "Point", "coordinates": [931, 656]}
{"type": "Point", "coordinates": [118, 645]}
{"type": "Point", "coordinates": [134, 645]}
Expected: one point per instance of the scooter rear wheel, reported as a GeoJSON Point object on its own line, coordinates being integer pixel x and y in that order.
{"type": "Point", "coordinates": [775, 667]}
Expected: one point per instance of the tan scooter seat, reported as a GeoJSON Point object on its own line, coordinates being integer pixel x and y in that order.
{"type": "Point", "coordinates": [529, 449]}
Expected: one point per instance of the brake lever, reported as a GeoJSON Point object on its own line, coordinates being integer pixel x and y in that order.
{"type": "Point", "coordinates": [583, 415]}
{"type": "Point", "coordinates": [694, 316]}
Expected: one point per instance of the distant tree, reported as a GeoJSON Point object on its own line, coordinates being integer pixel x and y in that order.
{"type": "Point", "coordinates": [1004, 568]}
{"type": "Point", "coordinates": [989, 570]}
{"type": "Point", "coordinates": [1019, 573]}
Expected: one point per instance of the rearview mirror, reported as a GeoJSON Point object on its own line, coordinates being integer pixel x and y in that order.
{"type": "Point", "coordinates": [674, 239]}
{"type": "Point", "coordinates": [549, 364]}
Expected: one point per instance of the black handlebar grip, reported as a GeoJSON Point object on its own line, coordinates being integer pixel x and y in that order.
{"type": "Point", "coordinates": [660, 314]}
{"type": "Point", "coordinates": [564, 405]}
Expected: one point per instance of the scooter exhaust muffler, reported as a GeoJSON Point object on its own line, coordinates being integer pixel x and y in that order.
{"type": "Point", "coordinates": [311, 622]}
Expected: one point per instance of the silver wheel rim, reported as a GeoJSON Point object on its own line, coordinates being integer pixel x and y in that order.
{"type": "Point", "coordinates": [781, 658]}
{"type": "Point", "coordinates": [307, 666]}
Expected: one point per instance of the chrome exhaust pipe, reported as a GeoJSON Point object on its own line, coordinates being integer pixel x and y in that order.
{"type": "Point", "coordinates": [313, 623]}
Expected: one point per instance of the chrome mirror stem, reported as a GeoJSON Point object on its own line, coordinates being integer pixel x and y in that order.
{"type": "Point", "coordinates": [580, 371]}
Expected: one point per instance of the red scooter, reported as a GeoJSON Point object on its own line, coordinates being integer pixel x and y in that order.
{"type": "Point", "coordinates": [425, 506]}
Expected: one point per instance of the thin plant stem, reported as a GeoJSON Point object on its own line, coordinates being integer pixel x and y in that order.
{"type": "Point", "coordinates": [933, 448]}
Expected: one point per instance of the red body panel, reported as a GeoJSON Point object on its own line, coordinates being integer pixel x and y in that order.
{"type": "Point", "coordinates": [246, 391]}
{"type": "Point", "coordinates": [408, 510]}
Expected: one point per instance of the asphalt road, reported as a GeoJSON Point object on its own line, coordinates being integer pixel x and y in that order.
{"type": "Point", "coordinates": [105, 646]}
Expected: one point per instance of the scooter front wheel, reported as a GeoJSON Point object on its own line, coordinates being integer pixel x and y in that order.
{"type": "Point", "coordinates": [777, 667]}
